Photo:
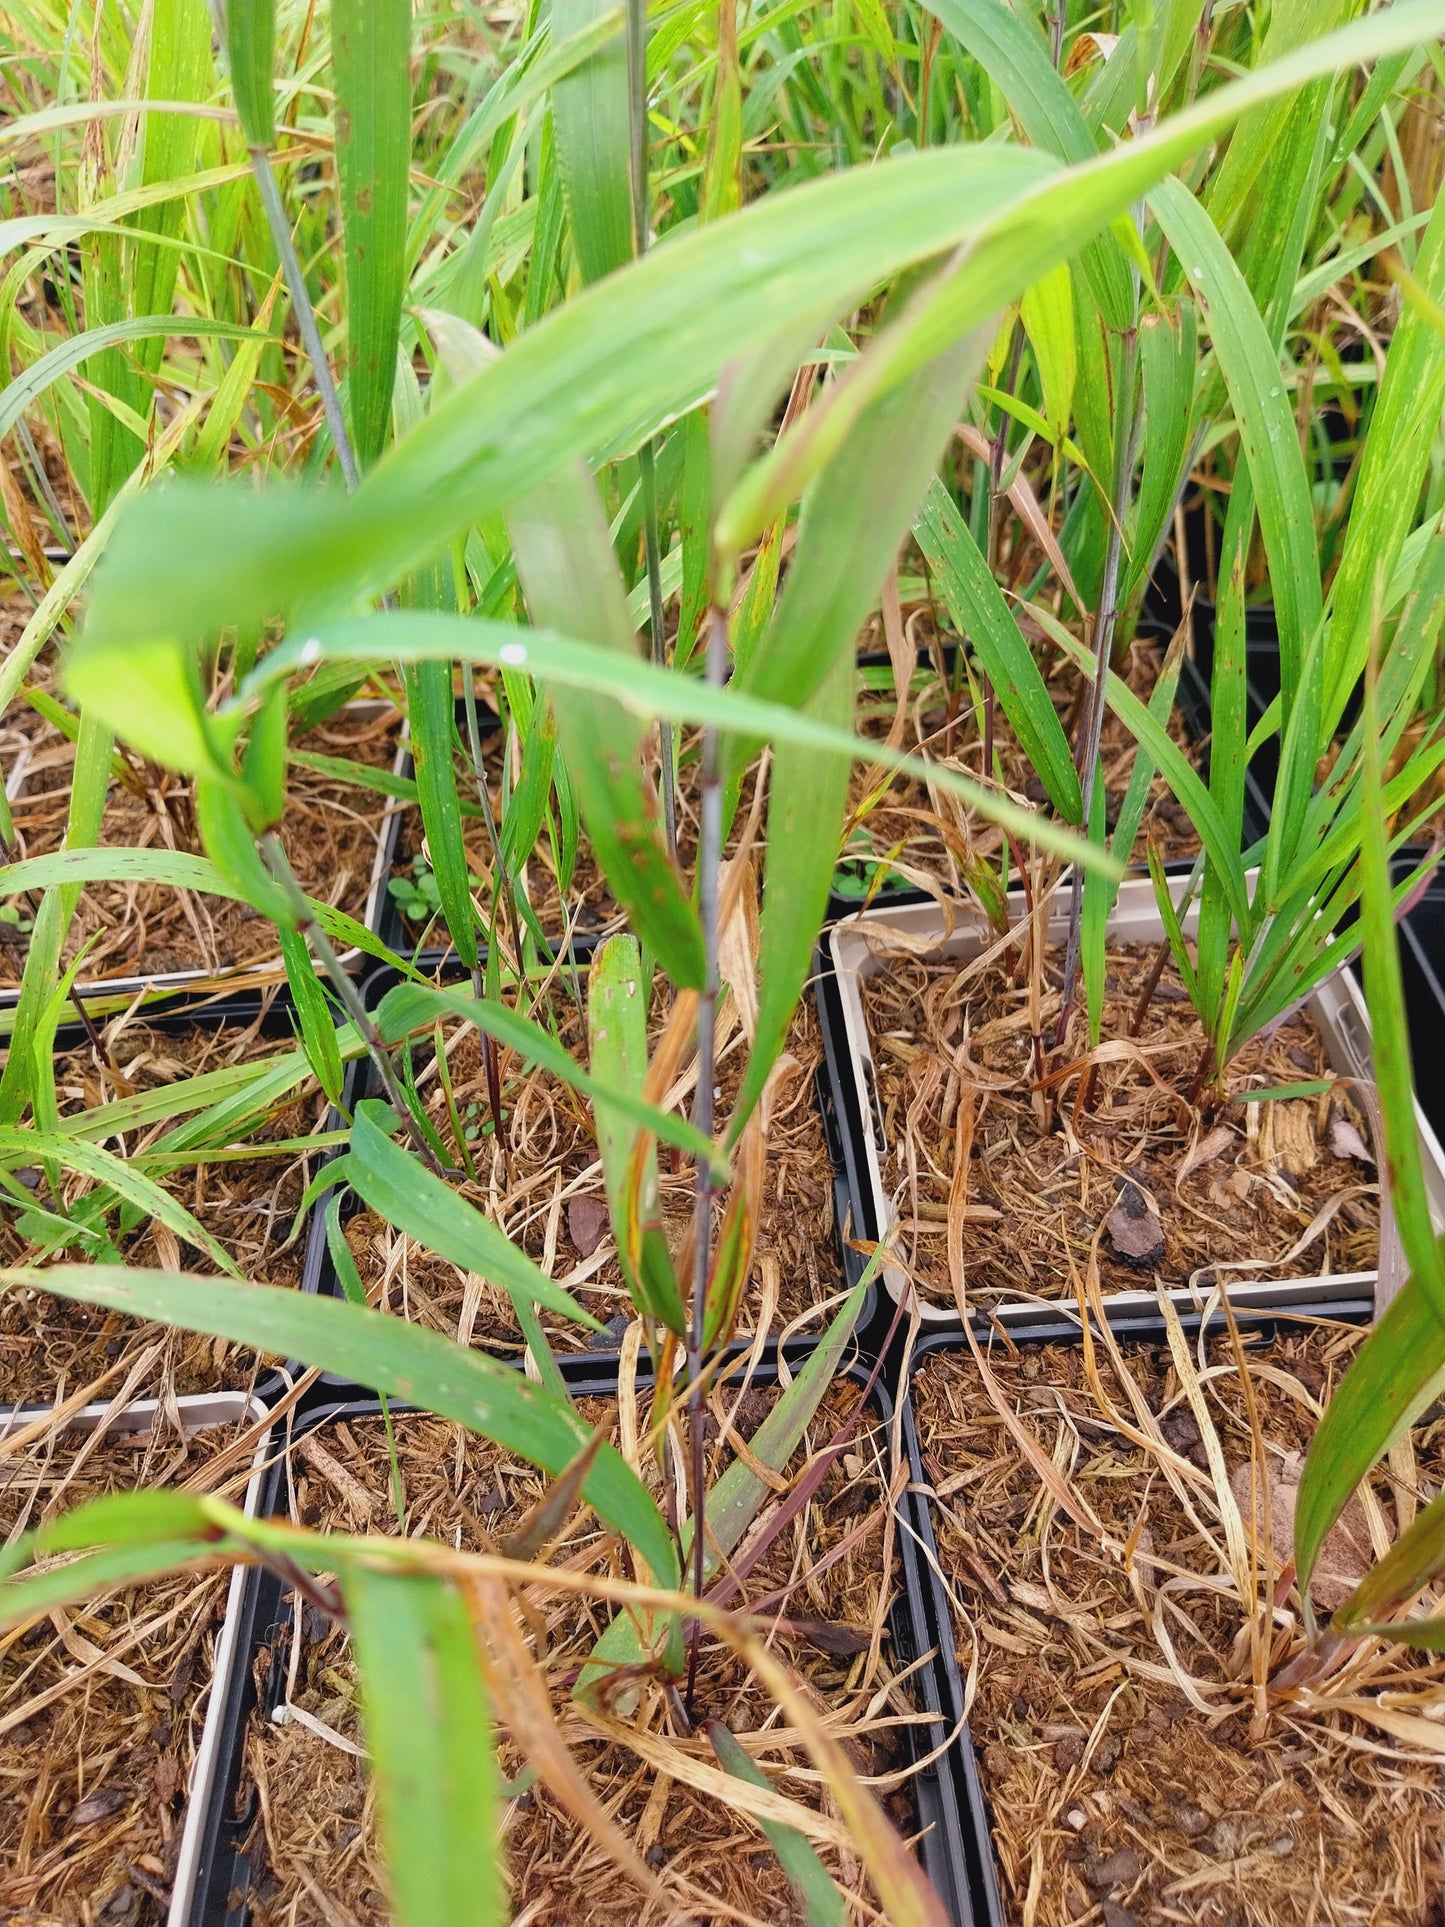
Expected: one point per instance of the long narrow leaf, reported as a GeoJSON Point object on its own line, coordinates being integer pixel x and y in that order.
{"type": "Point", "coordinates": [978, 608]}
{"type": "Point", "coordinates": [429, 1734]}
{"type": "Point", "coordinates": [397, 1184]}
{"type": "Point", "coordinates": [387, 1354]}
{"type": "Point", "coordinates": [370, 48]}
{"type": "Point", "coordinates": [407, 1007]}
{"type": "Point", "coordinates": [672, 320]}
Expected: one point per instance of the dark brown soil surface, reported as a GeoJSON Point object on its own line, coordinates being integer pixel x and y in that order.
{"type": "Point", "coordinates": [1138, 1765]}
{"type": "Point", "coordinates": [1038, 1188]}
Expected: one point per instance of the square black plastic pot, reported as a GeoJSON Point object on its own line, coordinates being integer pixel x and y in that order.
{"type": "Point", "coordinates": [183, 1010]}
{"type": "Point", "coordinates": [843, 1129]}
{"type": "Point", "coordinates": [266, 1620]}
{"type": "Point", "coordinates": [604, 1355]}
{"type": "Point", "coordinates": [964, 1779]}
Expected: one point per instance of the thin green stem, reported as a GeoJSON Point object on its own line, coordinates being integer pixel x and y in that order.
{"type": "Point", "coordinates": [348, 996]}
{"type": "Point", "coordinates": [1105, 624]}
{"type": "Point", "coordinates": [647, 475]}
{"type": "Point", "coordinates": [305, 314]}
{"type": "Point", "coordinates": [647, 454]}
{"type": "Point", "coordinates": [479, 769]}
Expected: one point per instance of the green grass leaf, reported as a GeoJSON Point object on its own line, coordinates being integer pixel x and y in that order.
{"type": "Point", "coordinates": [980, 612]}
{"type": "Point", "coordinates": [648, 342]}
{"type": "Point", "coordinates": [429, 1734]}
{"type": "Point", "coordinates": [370, 65]}
{"type": "Point", "coordinates": [1390, 1036]}
{"type": "Point", "coordinates": [175, 867]}
{"type": "Point", "coordinates": [398, 1185]}
{"type": "Point", "coordinates": [388, 1355]}
{"type": "Point", "coordinates": [822, 1903]}
{"type": "Point", "coordinates": [1392, 468]}
{"type": "Point", "coordinates": [807, 804]}
{"type": "Point", "coordinates": [856, 513]}
{"type": "Point", "coordinates": [75, 350]}
{"type": "Point", "coordinates": [313, 1014]}
{"type": "Point", "coordinates": [20, 1147]}
{"type": "Point", "coordinates": [251, 55]}
{"type": "Point", "coordinates": [1253, 376]}
{"type": "Point", "coordinates": [569, 572]}
{"type": "Point", "coordinates": [651, 692]}
{"type": "Point", "coordinates": [34, 1595]}
{"type": "Point", "coordinates": [592, 125]}
{"type": "Point", "coordinates": [1398, 1368]}
{"type": "Point", "coordinates": [408, 1007]}
{"type": "Point", "coordinates": [431, 709]}
{"type": "Point", "coordinates": [1396, 1374]}
{"type": "Point", "coordinates": [617, 999]}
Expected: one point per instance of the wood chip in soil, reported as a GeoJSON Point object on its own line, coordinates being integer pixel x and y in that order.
{"type": "Point", "coordinates": [102, 1705]}
{"type": "Point", "coordinates": [1128, 1759]}
{"type": "Point", "coordinates": [314, 1826]}
{"type": "Point", "coordinates": [943, 1034]}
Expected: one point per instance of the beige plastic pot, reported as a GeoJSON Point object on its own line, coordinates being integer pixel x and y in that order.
{"type": "Point", "coordinates": [860, 946]}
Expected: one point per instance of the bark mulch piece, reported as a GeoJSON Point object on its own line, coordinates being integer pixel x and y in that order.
{"type": "Point", "coordinates": [1115, 1634]}
{"type": "Point", "coordinates": [315, 1819]}
{"type": "Point", "coordinates": [1139, 1167]}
